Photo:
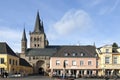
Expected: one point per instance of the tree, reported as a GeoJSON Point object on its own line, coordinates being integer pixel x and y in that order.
{"type": "Point", "coordinates": [115, 45]}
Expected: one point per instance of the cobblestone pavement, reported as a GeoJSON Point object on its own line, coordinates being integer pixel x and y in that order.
{"type": "Point", "coordinates": [44, 78]}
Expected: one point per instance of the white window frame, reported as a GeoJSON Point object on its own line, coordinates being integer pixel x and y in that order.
{"type": "Point", "coordinates": [81, 63]}
{"type": "Point", "coordinates": [57, 62]}
{"type": "Point", "coordinates": [89, 62]}
{"type": "Point", "coordinates": [74, 63]}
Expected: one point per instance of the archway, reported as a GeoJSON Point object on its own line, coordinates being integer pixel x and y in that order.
{"type": "Point", "coordinates": [40, 67]}
{"type": "Point", "coordinates": [41, 71]}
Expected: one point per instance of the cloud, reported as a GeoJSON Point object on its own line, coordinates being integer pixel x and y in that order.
{"type": "Point", "coordinates": [96, 2]}
{"type": "Point", "coordinates": [73, 22]}
{"type": "Point", "coordinates": [11, 36]}
{"type": "Point", "coordinates": [108, 9]}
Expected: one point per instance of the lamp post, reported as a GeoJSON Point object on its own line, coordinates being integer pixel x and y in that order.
{"type": "Point", "coordinates": [64, 66]}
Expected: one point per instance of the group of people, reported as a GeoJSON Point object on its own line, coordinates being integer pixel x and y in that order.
{"type": "Point", "coordinates": [4, 75]}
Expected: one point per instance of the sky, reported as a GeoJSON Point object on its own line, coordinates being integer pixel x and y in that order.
{"type": "Point", "coordinates": [66, 22]}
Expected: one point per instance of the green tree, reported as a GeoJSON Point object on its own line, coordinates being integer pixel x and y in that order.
{"type": "Point", "coordinates": [115, 45]}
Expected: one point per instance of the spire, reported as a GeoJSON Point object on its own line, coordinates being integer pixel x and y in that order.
{"type": "Point", "coordinates": [24, 36]}
{"type": "Point", "coordinates": [38, 25]}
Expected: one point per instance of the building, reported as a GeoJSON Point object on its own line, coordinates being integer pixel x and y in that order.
{"type": "Point", "coordinates": [10, 62]}
{"type": "Point", "coordinates": [109, 60]}
{"type": "Point", "coordinates": [74, 61]}
{"type": "Point", "coordinates": [41, 53]}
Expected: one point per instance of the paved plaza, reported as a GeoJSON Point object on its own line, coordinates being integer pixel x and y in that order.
{"type": "Point", "coordinates": [45, 78]}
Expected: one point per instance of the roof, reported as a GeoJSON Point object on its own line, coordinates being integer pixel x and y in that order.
{"type": "Point", "coordinates": [38, 25]}
{"type": "Point", "coordinates": [23, 62]}
{"type": "Point", "coordinates": [5, 49]}
{"type": "Point", "coordinates": [79, 51]}
{"type": "Point", "coordinates": [24, 36]}
{"type": "Point", "coordinates": [59, 51]}
{"type": "Point", "coordinates": [40, 52]}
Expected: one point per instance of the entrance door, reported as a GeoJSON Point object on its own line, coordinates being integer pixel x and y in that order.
{"type": "Point", "coordinates": [40, 67]}
{"type": "Point", "coordinates": [41, 71]}
{"type": "Point", "coordinates": [73, 72]}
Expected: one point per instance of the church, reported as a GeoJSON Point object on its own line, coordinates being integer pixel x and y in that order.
{"type": "Point", "coordinates": [41, 55]}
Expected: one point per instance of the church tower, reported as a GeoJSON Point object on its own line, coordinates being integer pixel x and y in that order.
{"type": "Point", "coordinates": [23, 42]}
{"type": "Point", "coordinates": [38, 37]}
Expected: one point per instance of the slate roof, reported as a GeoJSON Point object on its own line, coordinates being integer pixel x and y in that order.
{"type": "Point", "coordinates": [59, 51]}
{"type": "Point", "coordinates": [5, 49]}
{"type": "Point", "coordinates": [87, 51]}
{"type": "Point", "coordinates": [24, 36]}
{"type": "Point", "coordinates": [38, 25]}
{"type": "Point", "coordinates": [40, 52]}
{"type": "Point", "coordinates": [23, 62]}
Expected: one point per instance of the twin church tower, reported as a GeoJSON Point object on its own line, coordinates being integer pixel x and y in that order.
{"type": "Point", "coordinates": [37, 37]}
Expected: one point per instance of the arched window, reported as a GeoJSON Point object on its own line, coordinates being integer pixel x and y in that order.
{"type": "Point", "coordinates": [37, 39]}
{"type": "Point", "coordinates": [34, 39]}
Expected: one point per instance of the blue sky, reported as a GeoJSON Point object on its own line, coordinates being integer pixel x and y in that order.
{"type": "Point", "coordinates": [66, 22]}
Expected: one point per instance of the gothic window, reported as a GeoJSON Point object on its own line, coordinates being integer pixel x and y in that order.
{"type": "Point", "coordinates": [34, 39]}
{"type": "Point", "coordinates": [34, 45]}
{"type": "Point", "coordinates": [40, 39]}
{"type": "Point", "coordinates": [38, 45]}
{"type": "Point", "coordinates": [37, 39]}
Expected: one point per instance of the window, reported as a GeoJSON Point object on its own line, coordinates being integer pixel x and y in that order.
{"type": "Point", "coordinates": [74, 63]}
{"type": "Point", "coordinates": [38, 45]}
{"type": "Point", "coordinates": [107, 50]}
{"type": "Point", "coordinates": [37, 39]}
{"type": "Point", "coordinates": [89, 62]}
{"type": "Point", "coordinates": [33, 57]}
{"type": "Point", "coordinates": [1, 60]}
{"type": "Point", "coordinates": [57, 62]}
{"type": "Point", "coordinates": [66, 62]}
{"type": "Point", "coordinates": [114, 60]}
{"type": "Point", "coordinates": [13, 62]}
{"type": "Point", "coordinates": [81, 63]}
{"type": "Point", "coordinates": [66, 54]}
{"type": "Point", "coordinates": [10, 61]}
{"type": "Point", "coordinates": [34, 45]}
{"type": "Point", "coordinates": [74, 54]}
{"type": "Point", "coordinates": [107, 60]}
{"type": "Point", "coordinates": [34, 39]}
{"type": "Point", "coordinates": [30, 58]}
{"type": "Point", "coordinates": [16, 63]}
{"type": "Point", "coordinates": [81, 54]}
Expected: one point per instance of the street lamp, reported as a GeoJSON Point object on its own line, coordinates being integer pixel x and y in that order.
{"type": "Point", "coordinates": [64, 66]}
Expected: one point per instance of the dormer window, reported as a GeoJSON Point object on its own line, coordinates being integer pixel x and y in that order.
{"type": "Point", "coordinates": [66, 54]}
{"type": "Point", "coordinates": [74, 54]}
{"type": "Point", "coordinates": [81, 54]}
